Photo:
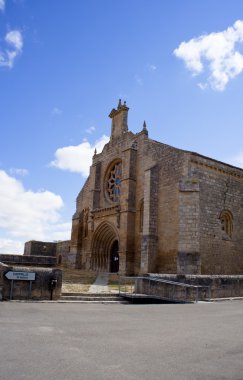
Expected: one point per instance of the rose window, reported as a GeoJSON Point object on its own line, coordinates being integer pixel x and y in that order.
{"type": "Point", "coordinates": [114, 182]}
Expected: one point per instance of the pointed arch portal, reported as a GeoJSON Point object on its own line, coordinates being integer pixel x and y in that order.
{"type": "Point", "coordinates": [105, 249]}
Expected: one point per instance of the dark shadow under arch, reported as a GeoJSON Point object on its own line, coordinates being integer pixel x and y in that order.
{"type": "Point", "coordinates": [114, 257]}
{"type": "Point", "coordinates": [105, 242]}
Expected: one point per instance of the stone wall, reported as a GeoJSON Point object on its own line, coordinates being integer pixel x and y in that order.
{"type": "Point", "coordinates": [172, 167]}
{"type": "Point", "coordinates": [149, 243]}
{"type": "Point", "coordinates": [170, 291]}
{"type": "Point", "coordinates": [64, 257]}
{"type": "Point", "coordinates": [36, 252]}
{"type": "Point", "coordinates": [40, 288]}
{"type": "Point", "coordinates": [188, 259]}
{"type": "Point", "coordinates": [39, 248]}
{"type": "Point", "coordinates": [188, 262]}
{"type": "Point", "coordinates": [221, 188]}
{"type": "Point", "coordinates": [28, 260]}
{"type": "Point", "coordinates": [3, 267]}
{"type": "Point", "coordinates": [220, 286]}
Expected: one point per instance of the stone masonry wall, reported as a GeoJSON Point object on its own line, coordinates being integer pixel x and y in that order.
{"type": "Point", "coordinates": [63, 254]}
{"type": "Point", "coordinates": [40, 288]}
{"type": "Point", "coordinates": [149, 244]}
{"type": "Point", "coordinates": [221, 188]}
{"type": "Point", "coordinates": [214, 286]}
{"type": "Point", "coordinates": [172, 164]}
{"type": "Point", "coordinates": [44, 261]}
{"type": "Point", "coordinates": [38, 248]}
{"type": "Point", "coordinates": [188, 259]}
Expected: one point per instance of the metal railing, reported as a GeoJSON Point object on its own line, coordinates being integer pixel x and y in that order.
{"type": "Point", "coordinates": [138, 287]}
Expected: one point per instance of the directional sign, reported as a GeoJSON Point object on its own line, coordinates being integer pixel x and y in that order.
{"type": "Point", "coordinates": [24, 276]}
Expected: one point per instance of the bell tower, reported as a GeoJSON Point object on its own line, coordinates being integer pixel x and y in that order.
{"type": "Point", "coordinates": [119, 120]}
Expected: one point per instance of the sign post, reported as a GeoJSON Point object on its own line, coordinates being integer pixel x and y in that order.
{"type": "Point", "coordinates": [20, 276]}
{"type": "Point", "coordinates": [23, 276]}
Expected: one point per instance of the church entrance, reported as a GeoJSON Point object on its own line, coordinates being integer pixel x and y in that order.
{"type": "Point", "coordinates": [114, 258]}
{"type": "Point", "coordinates": [105, 249]}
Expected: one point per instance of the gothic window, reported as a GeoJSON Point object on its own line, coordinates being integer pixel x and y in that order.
{"type": "Point", "coordinates": [113, 182]}
{"type": "Point", "coordinates": [141, 209]}
{"type": "Point", "coordinates": [226, 219]}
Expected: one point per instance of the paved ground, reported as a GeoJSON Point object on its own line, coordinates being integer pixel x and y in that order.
{"type": "Point", "coordinates": [100, 284]}
{"type": "Point", "coordinates": [168, 342]}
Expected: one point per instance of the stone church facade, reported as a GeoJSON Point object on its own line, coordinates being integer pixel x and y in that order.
{"type": "Point", "coordinates": [148, 207]}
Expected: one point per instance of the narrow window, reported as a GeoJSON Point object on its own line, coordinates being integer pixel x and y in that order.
{"type": "Point", "coordinates": [141, 212]}
{"type": "Point", "coordinates": [226, 219]}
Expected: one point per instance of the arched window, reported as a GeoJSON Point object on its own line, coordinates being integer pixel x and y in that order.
{"type": "Point", "coordinates": [141, 212]}
{"type": "Point", "coordinates": [226, 219]}
{"type": "Point", "coordinates": [113, 182]}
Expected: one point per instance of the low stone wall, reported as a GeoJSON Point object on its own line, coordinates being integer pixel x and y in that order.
{"type": "Point", "coordinates": [2, 268]}
{"type": "Point", "coordinates": [221, 286]}
{"type": "Point", "coordinates": [28, 260]}
{"type": "Point", "coordinates": [169, 290]}
{"type": "Point", "coordinates": [40, 288]}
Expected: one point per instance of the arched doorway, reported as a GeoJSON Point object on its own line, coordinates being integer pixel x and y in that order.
{"type": "Point", "coordinates": [114, 257]}
{"type": "Point", "coordinates": [104, 248]}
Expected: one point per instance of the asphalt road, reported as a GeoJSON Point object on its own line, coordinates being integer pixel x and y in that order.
{"type": "Point", "coordinates": [82, 341]}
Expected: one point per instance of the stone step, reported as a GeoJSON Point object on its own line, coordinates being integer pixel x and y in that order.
{"type": "Point", "coordinates": [92, 301]}
{"type": "Point", "coordinates": [78, 294]}
{"type": "Point", "coordinates": [88, 297]}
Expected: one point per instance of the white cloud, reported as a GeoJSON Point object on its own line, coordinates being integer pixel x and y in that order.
{"type": "Point", "coordinates": [215, 52]}
{"type": "Point", "coordinates": [78, 158]}
{"type": "Point", "coordinates": [27, 215]}
{"type": "Point", "coordinates": [60, 231]}
{"type": "Point", "coordinates": [10, 246]}
{"type": "Point", "coordinates": [236, 160]}
{"type": "Point", "coordinates": [90, 130]}
{"type": "Point", "coordinates": [14, 40]}
{"type": "Point", "coordinates": [18, 171]}
{"type": "Point", "coordinates": [138, 80]}
{"type": "Point", "coordinates": [2, 5]}
{"type": "Point", "coordinates": [56, 111]}
{"type": "Point", "coordinates": [151, 67]}
{"type": "Point", "coordinates": [202, 86]}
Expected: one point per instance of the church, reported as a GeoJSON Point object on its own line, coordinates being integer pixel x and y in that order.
{"type": "Point", "coordinates": [147, 207]}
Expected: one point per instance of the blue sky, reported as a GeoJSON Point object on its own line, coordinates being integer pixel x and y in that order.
{"type": "Point", "coordinates": [63, 66]}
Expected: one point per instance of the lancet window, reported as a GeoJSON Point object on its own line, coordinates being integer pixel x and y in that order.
{"type": "Point", "coordinates": [226, 219]}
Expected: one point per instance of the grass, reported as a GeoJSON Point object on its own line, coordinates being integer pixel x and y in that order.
{"type": "Point", "coordinates": [79, 281]}
{"type": "Point", "coordinates": [76, 280]}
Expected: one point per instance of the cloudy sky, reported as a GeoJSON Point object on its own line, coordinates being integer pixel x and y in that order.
{"type": "Point", "coordinates": [64, 65]}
